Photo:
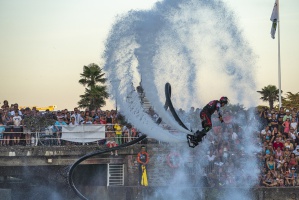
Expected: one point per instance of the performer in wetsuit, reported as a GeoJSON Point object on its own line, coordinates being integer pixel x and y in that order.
{"type": "Point", "coordinates": [205, 116]}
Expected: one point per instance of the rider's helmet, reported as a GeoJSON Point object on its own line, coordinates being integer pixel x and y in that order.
{"type": "Point", "coordinates": [224, 100]}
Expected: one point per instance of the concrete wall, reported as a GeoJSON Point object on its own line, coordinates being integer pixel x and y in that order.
{"type": "Point", "coordinates": [160, 172]}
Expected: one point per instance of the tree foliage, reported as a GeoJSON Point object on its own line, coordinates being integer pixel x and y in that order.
{"type": "Point", "coordinates": [270, 94]}
{"type": "Point", "coordinates": [36, 123]}
{"type": "Point", "coordinates": [291, 100]}
{"type": "Point", "coordinates": [95, 94]}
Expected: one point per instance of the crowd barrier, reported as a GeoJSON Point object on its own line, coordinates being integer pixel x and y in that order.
{"type": "Point", "coordinates": [87, 133]}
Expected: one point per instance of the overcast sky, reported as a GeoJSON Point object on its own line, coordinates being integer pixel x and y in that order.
{"type": "Point", "coordinates": [45, 44]}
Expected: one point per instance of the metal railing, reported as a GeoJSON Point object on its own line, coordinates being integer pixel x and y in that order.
{"type": "Point", "coordinates": [91, 134]}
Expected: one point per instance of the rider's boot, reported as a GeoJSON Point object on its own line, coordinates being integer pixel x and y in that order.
{"type": "Point", "coordinates": [200, 134]}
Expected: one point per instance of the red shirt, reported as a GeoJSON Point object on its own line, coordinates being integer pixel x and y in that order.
{"type": "Point", "coordinates": [142, 157]}
{"type": "Point", "coordinates": [278, 144]}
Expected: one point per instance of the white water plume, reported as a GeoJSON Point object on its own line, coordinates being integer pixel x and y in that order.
{"type": "Point", "coordinates": [196, 46]}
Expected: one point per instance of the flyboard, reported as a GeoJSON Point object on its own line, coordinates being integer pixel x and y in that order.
{"type": "Point", "coordinates": [192, 139]}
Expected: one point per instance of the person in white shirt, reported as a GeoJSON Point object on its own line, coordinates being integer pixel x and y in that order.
{"type": "Point", "coordinates": [294, 125]}
{"type": "Point", "coordinates": [15, 109]}
{"type": "Point", "coordinates": [73, 122]}
{"type": "Point", "coordinates": [265, 131]}
{"type": "Point", "coordinates": [77, 116]}
{"type": "Point", "coordinates": [16, 128]}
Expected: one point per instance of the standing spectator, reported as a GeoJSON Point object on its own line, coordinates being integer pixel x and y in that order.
{"type": "Point", "coordinates": [286, 125]}
{"type": "Point", "coordinates": [280, 122]}
{"type": "Point", "coordinates": [142, 159]}
{"type": "Point", "coordinates": [294, 124]}
{"type": "Point", "coordinates": [96, 120]}
{"type": "Point", "coordinates": [110, 139]}
{"type": "Point", "coordinates": [77, 116]}
{"type": "Point", "coordinates": [118, 132]}
{"type": "Point", "coordinates": [287, 116]}
{"type": "Point", "coordinates": [73, 122]}
{"type": "Point", "coordinates": [17, 127]}
{"type": "Point", "coordinates": [87, 120]}
{"type": "Point", "coordinates": [292, 134]}
{"type": "Point", "coordinates": [109, 119]}
{"type": "Point", "coordinates": [7, 121]}
{"type": "Point", "coordinates": [58, 129]}
{"type": "Point", "coordinates": [26, 131]}
{"type": "Point", "coordinates": [2, 129]}
{"type": "Point", "coordinates": [264, 116]}
{"type": "Point", "coordinates": [114, 116]}
{"type": "Point", "coordinates": [125, 133]}
{"type": "Point", "coordinates": [93, 114]}
{"type": "Point", "coordinates": [274, 122]}
{"type": "Point", "coordinates": [133, 132]}
{"type": "Point", "coordinates": [103, 119]}
{"type": "Point", "coordinates": [67, 118]}
{"type": "Point", "coordinates": [129, 132]}
{"type": "Point", "coordinates": [5, 104]}
{"type": "Point", "coordinates": [15, 109]}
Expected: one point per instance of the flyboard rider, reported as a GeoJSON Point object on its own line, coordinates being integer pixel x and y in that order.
{"type": "Point", "coordinates": [205, 116]}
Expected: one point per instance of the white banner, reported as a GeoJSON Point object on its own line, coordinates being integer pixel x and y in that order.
{"type": "Point", "coordinates": [83, 133]}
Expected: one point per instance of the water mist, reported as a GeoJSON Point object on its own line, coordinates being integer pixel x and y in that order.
{"type": "Point", "coordinates": [197, 47]}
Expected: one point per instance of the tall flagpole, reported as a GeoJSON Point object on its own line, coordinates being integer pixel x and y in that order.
{"type": "Point", "coordinates": [279, 61]}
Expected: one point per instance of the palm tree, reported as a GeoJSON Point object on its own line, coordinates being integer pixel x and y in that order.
{"type": "Point", "coordinates": [94, 95]}
{"type": "Point", "coordinates": [270, 93]}
{"type": "Point", "coordinates": [291, 100]}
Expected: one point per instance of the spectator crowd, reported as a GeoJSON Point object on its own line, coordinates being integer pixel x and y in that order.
{"type": "Point", "coordinates": [13, 130]}
{"type": "Point", "coordinates": [277, 135]}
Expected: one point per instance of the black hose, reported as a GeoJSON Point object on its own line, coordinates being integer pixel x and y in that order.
{"type": "Point", "coordinates": [170, 106]}
{"type": "Point", "coordinates": [72, 168]}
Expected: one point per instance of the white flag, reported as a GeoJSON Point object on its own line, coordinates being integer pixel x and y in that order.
{"type": "Point", "coordinates": [274, 18]}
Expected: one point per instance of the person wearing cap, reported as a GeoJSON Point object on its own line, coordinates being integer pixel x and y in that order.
{"type": "Point", "coordinates": [96, 120]}
{"type": "Point", "coordinates": [142, 159]}
{"type": "Point", "coordinates": [291, 178]}
{"type": "Point", "coordinates": [287, 115]}
{"type": "Point", "coordinates": [57, 129]}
